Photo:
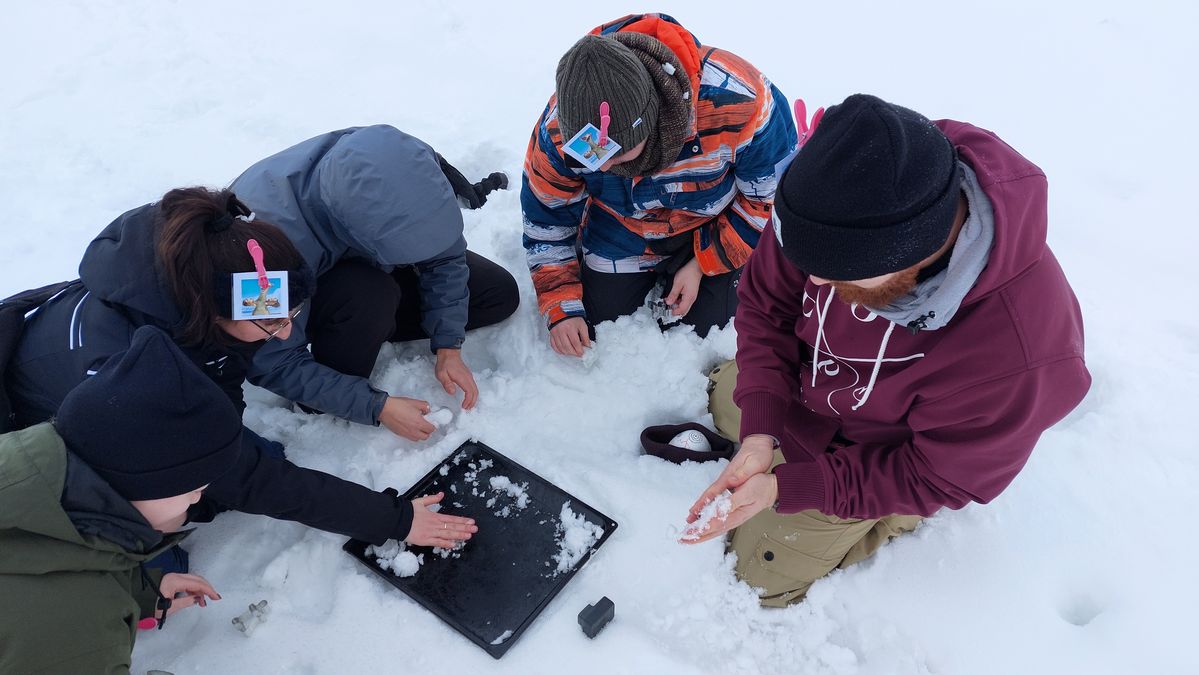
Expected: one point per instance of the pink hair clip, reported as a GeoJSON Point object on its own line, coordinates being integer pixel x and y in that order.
{"type": "Point", "coordinates": [801, 120]}
{"type": "Point", "coordinates": [259, 266]}
{"type": "Point", "coordinates": [604, 120]}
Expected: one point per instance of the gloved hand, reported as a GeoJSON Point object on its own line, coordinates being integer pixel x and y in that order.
{"type": "Point", "coordinates": [472, 195]}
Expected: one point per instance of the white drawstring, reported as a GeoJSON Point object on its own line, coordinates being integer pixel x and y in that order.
{"type": "Point", "coordinates": [820, 332]}
{"type": "Point", "coordinates": [878, 363]}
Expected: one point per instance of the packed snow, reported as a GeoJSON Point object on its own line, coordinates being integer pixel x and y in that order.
{"type": "Point", "coordinates": [1083, 565]}
{"type": "Point", "coordinates": [575, 536]}
{"type": "Point", "coordinates": [395, 557]}
{"type": "Point", "coordinates": [440, 417]}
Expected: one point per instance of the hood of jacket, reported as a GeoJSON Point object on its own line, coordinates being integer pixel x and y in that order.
{"type": "Point", "coordinates": [934, 301]}
{"type": "Point", "coordinates": [120, 267]}
{"type": "Point", "coordinates": [370, 192]}
{"type": "Point", "coordinates": [1018, 206]}
{"type": "Point", "coordinates": [56, 514]}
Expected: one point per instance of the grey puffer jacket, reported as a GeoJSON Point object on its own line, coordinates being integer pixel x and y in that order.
{"type": "Point", "coordinates": [373, 193]}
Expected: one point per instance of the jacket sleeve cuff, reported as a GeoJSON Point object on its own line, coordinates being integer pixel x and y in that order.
{"type": "Point", "coordinates": [145, 594]}
{"type": "Point", "coordinates": [557, 315]}
{"type": "Point", "coordinates": [404, 523]}
{"type": "Point", "coordinates": [378, 400]}
{"type": "Point", "coordinates": [762, 413]}
{"type": "Point", "coordinates": [446, 342]}
{"type": "Point", "coordinates": [801, 486]}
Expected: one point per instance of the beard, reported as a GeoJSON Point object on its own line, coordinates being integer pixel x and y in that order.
{"type": "Point", "coordinates": [880, 296]}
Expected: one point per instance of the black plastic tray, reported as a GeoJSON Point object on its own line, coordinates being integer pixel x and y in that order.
{"type": "Point", "coordinates": [506, 575]}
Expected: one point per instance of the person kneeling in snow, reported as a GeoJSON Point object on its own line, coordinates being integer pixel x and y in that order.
{"type": "Point", "coordinates": [683, 202]}
{"type": "Point", "coordinates": [172, 264]}
{"type": "Point", "coordinates": [905, 336]}
{"type": "Point", "coordinates": [375, 214]}
{"type": "Point", "coordinates": [87, 498]}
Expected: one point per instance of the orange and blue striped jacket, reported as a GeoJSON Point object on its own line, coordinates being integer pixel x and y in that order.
{"type": "Point", "coordinates": [719, 193]}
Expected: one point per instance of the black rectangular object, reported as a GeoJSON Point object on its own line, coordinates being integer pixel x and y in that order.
{"type": "Point", "coordinates": [487, 590]}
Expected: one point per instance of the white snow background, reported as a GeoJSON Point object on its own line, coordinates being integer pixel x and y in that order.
{"type": "Point", "coordinates": [1086, 564]}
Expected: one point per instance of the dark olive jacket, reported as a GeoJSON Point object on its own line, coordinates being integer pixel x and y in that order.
{"type": "Point", "coordinates": [71, 581]}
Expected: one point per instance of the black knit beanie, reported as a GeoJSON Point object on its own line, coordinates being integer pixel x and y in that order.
{"type": "Point", "coordinates": [874, 191]}
{"type": "Point", "coordinates": [150, 423]}
{"type": "Point", "coordinates": [600, 68]}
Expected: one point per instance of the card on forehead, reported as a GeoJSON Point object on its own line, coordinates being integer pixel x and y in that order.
{"type": "Point", "coordinates": [252, 301]}
{"type": "Point", "coordinates": [586, 148]}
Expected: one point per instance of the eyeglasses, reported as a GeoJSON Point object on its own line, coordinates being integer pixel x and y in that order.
{"type": "Point", "coordinates": [276, 326]}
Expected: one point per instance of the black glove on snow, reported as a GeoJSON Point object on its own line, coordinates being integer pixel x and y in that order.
{"type": "Point", "coordinates": [472, 195]}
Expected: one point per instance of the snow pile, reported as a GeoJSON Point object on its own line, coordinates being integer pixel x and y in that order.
{"type": "Point", "coordinates": [720, 507]}
{"type": "Point", "coordinates": [517, 492]}
{"type": "Point", "coordinates": [502, 638]}
{"type": "Point", "coordinates": [576, 535]}
{"type": "Point", "coordinates": [395, 556]}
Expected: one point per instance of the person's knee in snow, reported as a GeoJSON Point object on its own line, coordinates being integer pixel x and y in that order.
{"type": "Point", "coordinates": [889, 344]}
{"type": "Point", "coordinates": [399, 213]}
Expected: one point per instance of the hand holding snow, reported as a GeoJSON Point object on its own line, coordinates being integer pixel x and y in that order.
{"type": "Point", "coordinates": [439, 417]}
{"type": "Point", "coordinates": [717, 509]}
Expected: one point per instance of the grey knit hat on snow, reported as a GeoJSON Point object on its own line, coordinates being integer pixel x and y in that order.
{"type": "Point", "coordinates": [597, 69]}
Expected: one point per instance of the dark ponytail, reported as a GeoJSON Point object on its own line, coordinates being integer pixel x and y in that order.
{"type": "Point", "coordinates": [202, 239]}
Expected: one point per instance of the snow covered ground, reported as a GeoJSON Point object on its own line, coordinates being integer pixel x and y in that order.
{"type": "Point", "coordinates": [1085, 565]}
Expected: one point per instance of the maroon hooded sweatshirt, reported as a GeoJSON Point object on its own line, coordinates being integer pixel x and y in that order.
{"type": "Point", "coordinates": [934, 418]}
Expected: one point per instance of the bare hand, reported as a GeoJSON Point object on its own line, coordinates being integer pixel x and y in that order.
{"type": "Point", "coordinates": [452, 372]}
{"type": "Point", "coordinates": [192, 589]}
{"type": "Point", "coordinates": [685, 288]}
{"type": "Point", "coordinates": [760, 492]}
{"type": "Point", "coordinates": [570, 337]}
{"type": "Point", "coordinates": [754, 458]}
{"type": "Point", "coordinates": [436, 529]}
{"type": "Point", "coordinates": [405, 417]}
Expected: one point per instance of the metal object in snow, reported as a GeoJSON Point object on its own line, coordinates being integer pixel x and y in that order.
{"type": "Point", "coordinates": [249, 619]}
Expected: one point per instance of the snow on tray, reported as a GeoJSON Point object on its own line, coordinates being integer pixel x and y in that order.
{"type": "Point", "coordinates": [505, 487]}
{"type": "Point", "coordinates": [575, 535]}
{"type": "Point", "coordinates": [395, 557]}
{"type": "Point", "coordinates": [455, 552]}
{"type": "Point", "coordinates": [472, 476]}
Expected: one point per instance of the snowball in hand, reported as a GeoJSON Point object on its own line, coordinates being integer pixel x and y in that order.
{"type": "Point", "coordinates": [439, 417]}
{"type": "Point", "coordinates": [691, 440]}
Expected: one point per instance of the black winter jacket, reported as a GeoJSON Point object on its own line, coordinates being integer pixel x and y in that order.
{"type": "Point", "coordinates": [120, 289]}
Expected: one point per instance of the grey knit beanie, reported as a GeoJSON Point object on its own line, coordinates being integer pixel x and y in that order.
{"type": "Point", "coordinates": [598, 69]}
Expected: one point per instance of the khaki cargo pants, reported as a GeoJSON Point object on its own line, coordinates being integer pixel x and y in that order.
{"type": "Point", "coordinates": [782, 555]}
